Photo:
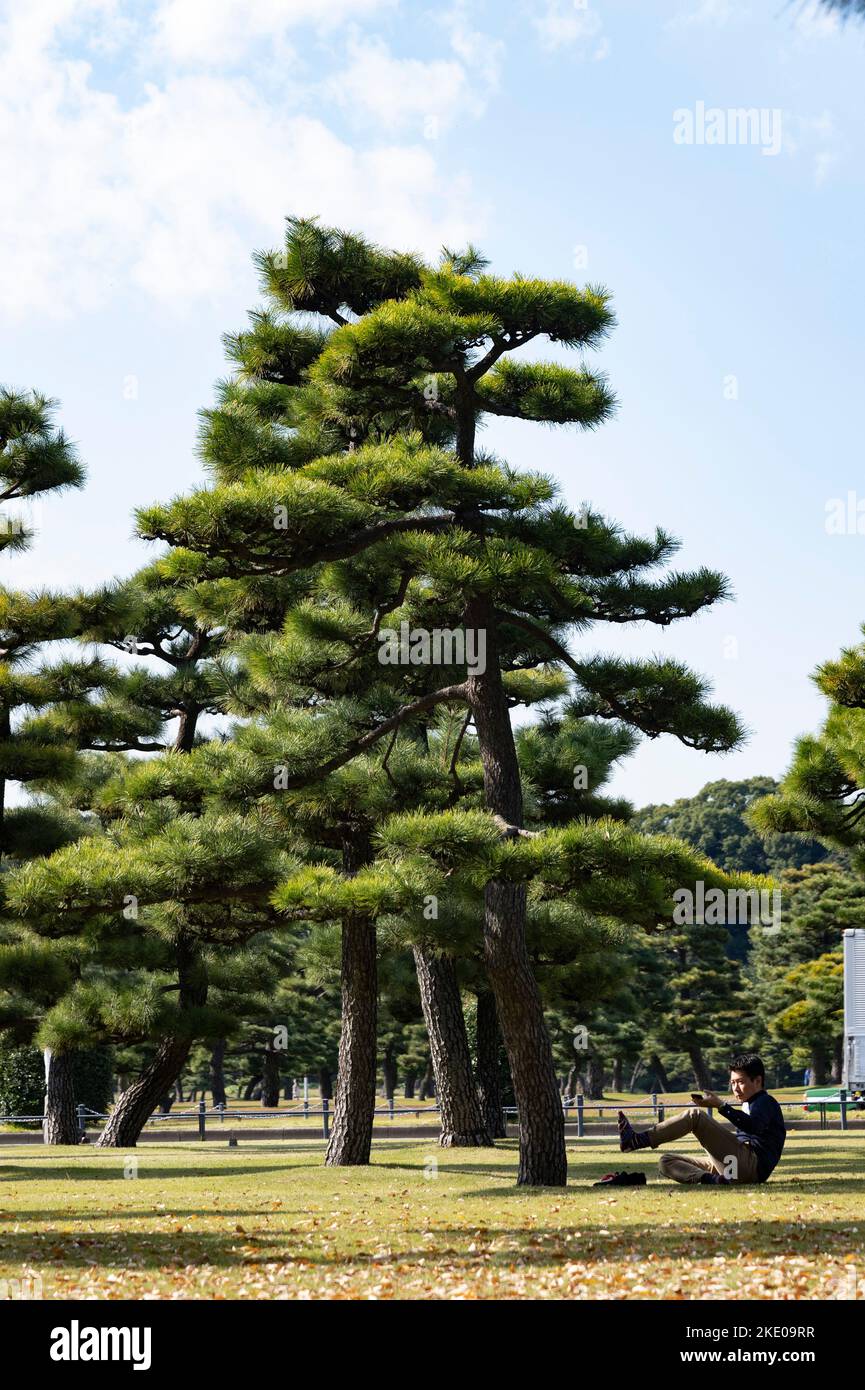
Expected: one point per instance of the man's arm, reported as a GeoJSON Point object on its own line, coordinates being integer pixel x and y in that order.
{"type": "Point", "coordinates": [748, 1124]}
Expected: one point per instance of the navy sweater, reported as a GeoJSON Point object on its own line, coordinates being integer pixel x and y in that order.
{"type": "Point", "coordinates": [762, 1126]}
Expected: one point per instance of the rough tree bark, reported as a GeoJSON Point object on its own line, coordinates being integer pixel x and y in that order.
{"type": "Point", "coordinates": [138, 1102]}
{"type": "Point", "coordinates": [462, 1122]}
{"type": "Point", "coordinates": [488, 1074]}
{"type": "Point", "coordinates": [351, 1136]}
{"type": "Point", "coordinates": [543, 1161]}
{"type": "Point", "coordinates": [60, 1125]}
{"type": "Point", "coordinates": [410, 1082]}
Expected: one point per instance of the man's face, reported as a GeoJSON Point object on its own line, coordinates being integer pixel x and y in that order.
{"type": "Point", "coordinates": [742, 1087]}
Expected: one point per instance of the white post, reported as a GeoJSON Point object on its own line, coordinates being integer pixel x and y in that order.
{"type": "Point", "coordinates": [46, 1058]}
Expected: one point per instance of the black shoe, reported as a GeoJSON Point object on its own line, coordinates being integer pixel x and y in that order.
{"type": "Point", "coordinates": [631, 1139]}
{"type": "Point", "coordinates": [621, 1180]}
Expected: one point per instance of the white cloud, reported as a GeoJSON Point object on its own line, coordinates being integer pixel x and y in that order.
{"type": "Point", "coordinates": [397, 91]}
{"type": "Point", "coordinates": [219, 32]}
{"type": "Point", "coordinates": [424, 95]}
{"type": "Point", "coordinates": [572, 23]}
{"type": "Point", "coordinates": [170, 192]}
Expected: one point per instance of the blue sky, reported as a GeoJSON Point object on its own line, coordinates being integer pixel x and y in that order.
{"type": "Point", "coordinates": [150, 147]}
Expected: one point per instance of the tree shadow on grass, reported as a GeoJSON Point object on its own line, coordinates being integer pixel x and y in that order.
{"type": "Point", "coordinates": [540, 1246]}
{"type": "Point", "coordinates": [85, 1173]}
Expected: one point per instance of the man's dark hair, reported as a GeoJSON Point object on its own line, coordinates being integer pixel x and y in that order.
{"type": "Point", "coordinates": [750, 1064]}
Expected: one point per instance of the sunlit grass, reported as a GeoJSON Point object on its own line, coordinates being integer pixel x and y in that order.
{"type": "Point", "coordinates": [269, 1221]}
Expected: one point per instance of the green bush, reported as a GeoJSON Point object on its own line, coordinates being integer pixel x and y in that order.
{"type": "Point", "coordinates": [22, 1079]}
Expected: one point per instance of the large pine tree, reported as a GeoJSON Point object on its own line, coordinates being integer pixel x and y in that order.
{"type": "Point", "coordinates": [403, 364]}
{"type": "Point", "coordinates": [37, 460]}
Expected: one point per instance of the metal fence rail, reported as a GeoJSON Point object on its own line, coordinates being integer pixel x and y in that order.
{"type": "Point", "coordinates": [578, 1104]}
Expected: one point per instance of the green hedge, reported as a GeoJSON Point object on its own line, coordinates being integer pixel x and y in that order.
{"type": "Point", "coordinates": [22, 1079]}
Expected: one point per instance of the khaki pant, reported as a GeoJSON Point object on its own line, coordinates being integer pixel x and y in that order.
{"type": "Point", "coordinates": [724, 1152]}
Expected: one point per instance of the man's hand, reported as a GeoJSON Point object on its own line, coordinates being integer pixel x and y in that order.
{"type": "Point", "coordinates": [710, 1101]}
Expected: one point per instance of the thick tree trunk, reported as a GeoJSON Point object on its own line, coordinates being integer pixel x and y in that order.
{"type": "Point", "coordinates": [462, 1124]}
{"type": "Point", "coordinates": [61, 1123]}
{"type": "Point", "coordinates": [288, 1089]}
{"type": "Point", "coordinates": [616, 1079]}
{"type": "Point", "coordinates": [178, 1090]}
{"type": "Point", "coordinates": [270, 1081]}
{"type": "Point", "coordinates": [166, 1103]}
{"type": "Point", "coordinates": [217, 1073]}
{"type": "Point", "coordinates": [351, 1136]}
{"type": "Point", "coordinates": [249, 1088]}
{"type": "Point", "coordinates": [138, 1102]}
{"type": "Point", "coordinates": [488, 1076]}
{"type": "Point", "coordinates": [410, 1082]}
{"type": "Point", "coordinates": [543, 1161]}
{"type": "Point", "coordinates": [325, 1084]}
{"type": "Point", "coordinates": [659, 1071]}
{"type": "Point", "coordinates": [701, 1071]}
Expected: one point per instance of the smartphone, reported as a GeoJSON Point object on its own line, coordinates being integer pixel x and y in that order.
{"type": "Point", "coordinates": [696, 1095]}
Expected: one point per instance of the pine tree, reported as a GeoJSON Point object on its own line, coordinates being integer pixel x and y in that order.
{"type": "Point", "coordinates": [373, 489]}
{"type": "Point", "coordinates": [819, 902]}
{"type": "Point", "coordinates": [36, 460]}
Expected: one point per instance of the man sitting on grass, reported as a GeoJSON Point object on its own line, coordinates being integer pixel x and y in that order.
{"type": "Point", "coordinates": [749, 1155]}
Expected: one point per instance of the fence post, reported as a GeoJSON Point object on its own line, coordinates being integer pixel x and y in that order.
{"type": "Point", "coordinates": [580, 1129]}
{"type": "Point", "coordinates": [655, 1105]}
{"type": "Point", "coordinates": [660, 1115]}
{"type": "Point", "coordinates": [202, 1115]}
{"type": "Point", "coordinates": [325, 1126]}
{"type": "Point", "coordinates": [79, 1109]}
{"type": "Point", "coordinates": [391, 1107]}
{"type": "Point", "coordinates": [843, 1099]}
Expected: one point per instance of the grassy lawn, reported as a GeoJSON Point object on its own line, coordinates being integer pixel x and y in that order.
{"type": "Point", "coordinates": [268, 1221]}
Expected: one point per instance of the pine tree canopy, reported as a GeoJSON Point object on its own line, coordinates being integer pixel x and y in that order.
{"type": "Point", "coordinates": [35, 457]}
